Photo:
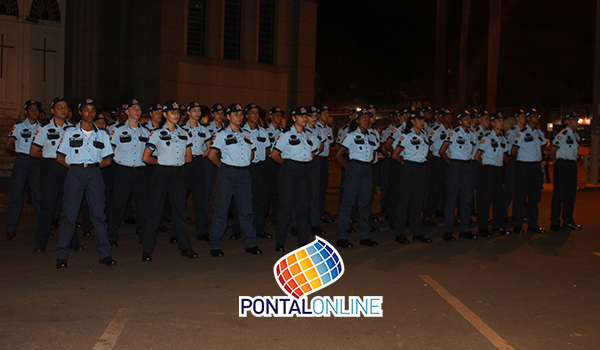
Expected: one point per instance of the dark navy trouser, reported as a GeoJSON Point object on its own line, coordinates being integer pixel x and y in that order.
{"type": "Point", "coordinates": [509, 185]}
{"type": "Point", "coordinates": [413, 180]}
{"type": "Point", "coordinates": [236, 183]}
{"type": "Point", "coordinates": [438, 188]}
{"type": "Point", "coordinates": [128, 180]}
{"type": "Point", "coordinates": [167, 180]}
{"type": "Point", "coordinates": [210, 174]}
{"type": "Point", "coordinates": [394, 175]}
{"type": "Point", "coordinates": [272, 178]}
{"type": "Point", "coordinates": [323, 182]}
{"type": "Point", "coordinates": [25, 169]}
{"type": "Point", "coordinates": [565, 191]}
{"type": "Point", "coordinates": [490, 192]}
{"type": "Point", "coordinates": [194, 178]}
{"type": "Point", "coordinates": [528, 192]}
{"type": "Point", "coordinates": [460, 185]}
{"type": "Point", "coordinates": [80, 180]}
{"type": "Point", "coordinates": [294, 193]}
{"type": "Point", "coordinates": [357, 189]}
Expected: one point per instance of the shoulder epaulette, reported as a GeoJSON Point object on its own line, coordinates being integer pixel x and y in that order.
{"type": "Point", "coordinates": [44, 123]}
{"type": "Point", "coordinates": [69, 126]}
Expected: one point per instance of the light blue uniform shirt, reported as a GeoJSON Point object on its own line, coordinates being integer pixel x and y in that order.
{"type": "Point", "coordinates": [493, 147]}
{"type": "Point", "coordinates": [342, 133]}
{"type": "Point", "coordinates": [415, 147]}
{"type": "Point", "coordinates": [327, 138]}
{"type": "Point", "coordinates": [213, 128]}
{"type": "Point", "coordinates": [23, 133]}
{"type": "Point", "coordinates": [113, 127]}
{"type": "Point", "coordinates": [48, 138]}
{"type": "Point", "coordinates": [169, 146]}
{"type": "Point", "coordinates": [360, 147]}
{"type": "Point", "coordinates": [129, 144]}
{"type": "Point", "coordinates": [397, 131]}
{"type": "Point", "coordinates": [261, 140]}
{"type": "Point", "coordinates": [148, 125]}
{"type": "Point", "coordinates": [477, 135]}
{"type": "Point", "coordinates": [316, 136]}
{"type": "Point", "coordinates": [567, 142]}
{"type": "Point", "coordinates": [385, 133]}
{"type": "Point", "coordinates": [199, 136]}
{"type": "Point", "coordinates": [530, 144]}
{"type": "Point", "coordinates": [510, 136]}
{"type": "Point", "coordinates": [235, 147]}
{"type": "Point", "coordinates": [437, 136]}
{"type": "Point", "coordinates": [79, 148]}
{"type": "Point", "coordinates": [376, 137]}
{"type": "Point", "coordinates": [296, 146]}
{"type": "Point", "coordinates": [273, 133]}
{"type": "Point", "coordinates": [460, 147]}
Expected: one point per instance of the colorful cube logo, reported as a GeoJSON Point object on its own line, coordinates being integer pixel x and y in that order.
{"type": "Point", "coordinates": [308, 269]}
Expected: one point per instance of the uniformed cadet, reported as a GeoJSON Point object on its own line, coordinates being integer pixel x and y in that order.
{"type": "Point", "coordinates": [183, 115]}
{"type": "Point", "coordinates": [360, 146]}
{"type": "Point", "coordinates": [258, 168]}
{"type": "Point", "coordinates": [527, 149]}
{"type": "Point", "coordinates": [314, 218]}
{"type": "Point", "coordinates": [272, 167]}
{"type": "Point", "coordinates": [84, 149]}
{"type": "Point", "coordinates": [564, 149]}
{"type": "Point", "coordinates": [109, 172]}
{"type": "Point", "coordinates": [375, 165]}
{"type": "Point", "coordinates": [173, 149]}
{"type": "Point", "coordinates": [327, 132]}
{"type": "Point", "coordinates": [438, 189]}
{"type": "Point", "coordinates": [44, 146]}
{"type": "Point", "coordinates": [217, 113]}
{"type": "Point", "coordinates": [341, 135]}
{"type": "Point", "coordinates": [26, 168]}
{"type": "Point", "coordinates": [194, 170]}
{"type": "Point", "coordinates": [129, 142]}
{"type": "Point", "coordinates": [457, 150]}
{"type": "Point", "coordinates": [511, 165]}
{"type": "Point", "coordinates": [491, 152]}
{"type": "Point", "coordinates": [385, 163]}
{"type": "Point", "coordinates": [479, 131]}
{"type": "Point", "coordinates": [395, 167]}
{"type": "Point", "coordinates": [294, 149]}
{"type": "Point", "coordinates": [232, 151]}
{"type": "Point", "coordinates": [414, 145]}
{"type": "Point", "coordinates": [156, 119]}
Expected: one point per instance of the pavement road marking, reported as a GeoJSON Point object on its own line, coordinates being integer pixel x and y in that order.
{"type": "Point", "coordinates": [473, 319]}
{"type": "Point", "coordinates": [111, 334]}
{"type": "Point", "coordinates": [597, 254]}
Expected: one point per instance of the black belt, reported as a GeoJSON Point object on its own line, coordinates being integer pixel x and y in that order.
{"type": "Point", "coordinates": [235, 167]}
{"type": "Point", "coordinates": [86, 165]}
{"type": "Point", "coordinates": [410, 161]}
{"type": "Point", "coordinates": [296, 161]}
{"type": "Point", "coordinates": [25, 154]}
{"type": "Point", "coordinates": [492, 166]}
{"type": "Point", "coordinates": [359, 161]}
{"type": "Point", "coordinates": [460, 160]}
{"type": "Point", "coordinates": [566, 160]}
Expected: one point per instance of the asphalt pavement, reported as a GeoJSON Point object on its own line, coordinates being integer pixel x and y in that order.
{"type": "Point", "coordinates": [529, 291]}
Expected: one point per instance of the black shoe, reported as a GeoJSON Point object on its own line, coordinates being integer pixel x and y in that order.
{"type": "Point", "coordinates": [448, 237]}
{"type": "Point", "coordinates": [61, 263]}
{"type": "Point", "coordinates": [254, 250]}
{"type": "Point", "coordinates": [235, 236]}
{"type": "Point", "coordinates": [467, 235]}
{"type": "Point", "coordinates": [368, 242]}
{"type": "Point", "coordinates": [216, 252]}
{"type": "Point", "coordinates": [484, 233]}
{"type": "Point", "coordinates": [77, 247]}
{"type": "Point", "coordinates": [402, 239]}
{"type": "Point", "coordinates": [11, 236]}
{"type": "Point", "coordinates": [535, 229]}
{"type": "Point", "coordinates": [279, 247]}
{"type": "Point", "coordinates": [86, 232]}
{"type": "Point", "coordinates": [573, 226]}
{"type": "Point", "coordinates": [39, 249]}
{"type": "Point", "coordinates": [189, 253]}
{"type": "Point", "coordinates": [129, 221]}
{"type": "Point", "coordinates": [428, 222]}
{"type": "Point", "coordinates": [316, 230]}
{"type": "Point", "coordinates": [518, 229]}
{"type": "Point", "coordinates": [556, 228]}
{"type": "Point", "coordinates": [373, 219]}
{"type": "Point", "coordinates": [163, 228]}
{"type": "Point", "coordinates": [264, 235]}
{"type": "Point", "coordinates": [146, 257]}
{"type": "Point", "coordinates": [422, 239]}
{"type": "Point", "coordinates": [202, 238]}
{"type": "Point", "coordinates": [326, 220]}
{"type": "Point", "coordinates": [173, 239]}
{"type": "Point", "coordinates": [344, 243]}
{"type": "Point", "coordinates": [294, 232]}
{"type": "Point", "coordinates": [114, 244]}
{"type": "Point", "coordinates": [107, 261]}
{"type": "Point", "coordinates": [374, 229]}
{"type": "Point", "coordinates": [54, 224]}
{"type": "Point", "coordinates": [501, 231]}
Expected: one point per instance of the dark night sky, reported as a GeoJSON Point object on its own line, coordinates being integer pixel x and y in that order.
{"type": "Point", "coordinates": [383, 51]}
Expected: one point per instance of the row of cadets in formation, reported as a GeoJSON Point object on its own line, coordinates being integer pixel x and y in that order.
{"type": "Point", "coordinates": [178, 154]}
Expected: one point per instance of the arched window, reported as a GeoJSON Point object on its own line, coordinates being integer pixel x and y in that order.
{"type": "Point", "coordinates": [9, 7]}
{"type": "Point", "coordinates": [45, 9]}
